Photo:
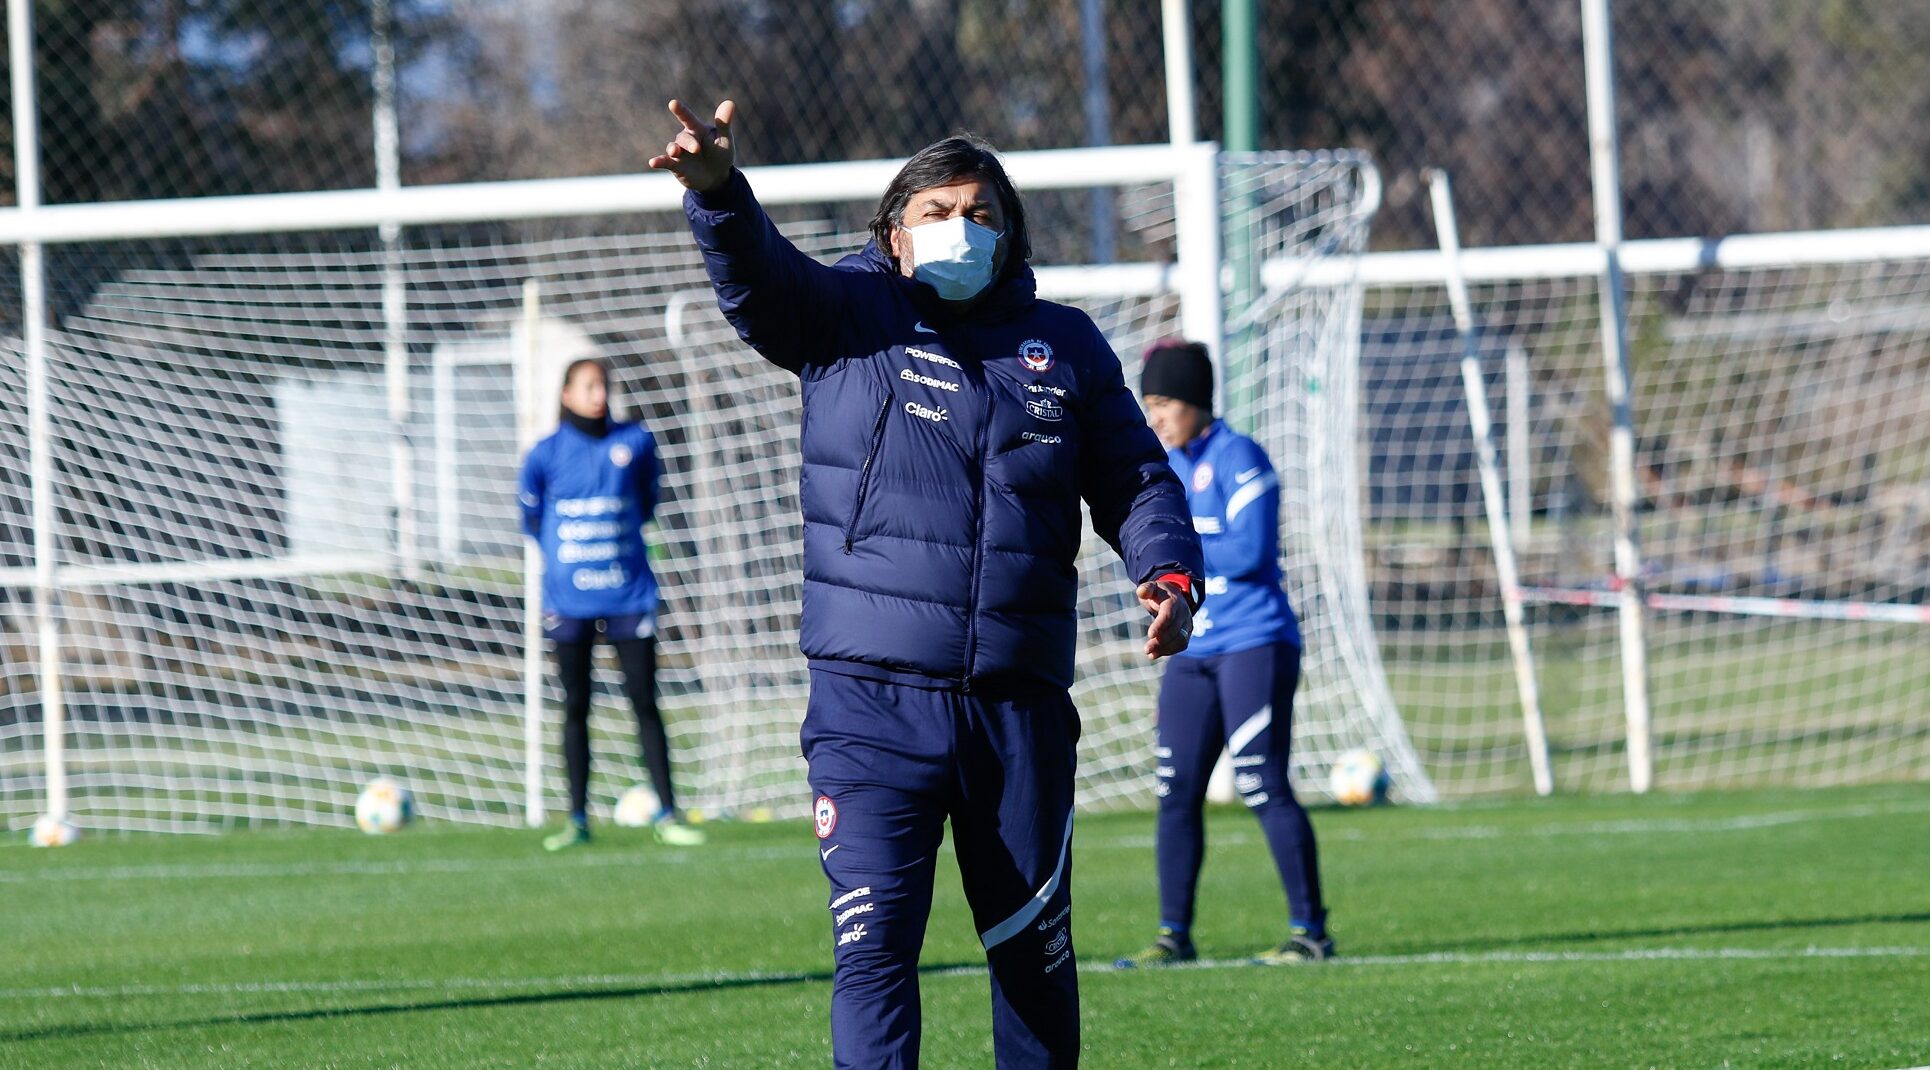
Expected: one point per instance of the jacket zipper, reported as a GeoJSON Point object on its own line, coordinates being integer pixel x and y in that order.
{"type": "Point", "coordinates": [864, 473]}
{"type": "Point", "coordinates": [978, 538]}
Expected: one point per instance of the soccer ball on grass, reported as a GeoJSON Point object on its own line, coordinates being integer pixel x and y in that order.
{"type": "Point", "coordinates": [384, 806]}
{"type": "Point", "coordinates": [638, 807]}
{"type": "Point", "coordinates": [53, 830]}
{"type": "Point", "coordinates": [1358, 779]}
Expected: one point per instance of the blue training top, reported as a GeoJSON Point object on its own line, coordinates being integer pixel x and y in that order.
{"type": "Point", "coordinates": [1235, 498]}
{"type": "Point", "coordinates": [585, 501]}
{"type": "Point", "coordinates": [945, 456]}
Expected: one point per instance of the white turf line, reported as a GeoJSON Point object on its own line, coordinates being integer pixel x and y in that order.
{"type": "Point", "coordinates": [1638, 827]}
{"type": "Point", "coordinates": [404, 867]}
{"type": "Point", "coordinates": [1088, 968]}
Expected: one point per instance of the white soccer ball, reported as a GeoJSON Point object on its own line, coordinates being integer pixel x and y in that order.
{"type": "Point", "coordinates": [638, 807]}
{"type": "Point", "coordinates": [384, 806]}
{"type": "Point", "coordinates": [1358, 779]}
{"type": "Point", "coordinates": [52, 830]}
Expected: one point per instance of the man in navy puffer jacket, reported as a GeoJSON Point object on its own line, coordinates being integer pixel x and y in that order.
{"type": "Point", "coordinates": [952, 424]}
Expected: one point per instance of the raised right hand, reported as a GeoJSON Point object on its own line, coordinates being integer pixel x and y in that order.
{"type": "Point", "coordinates": [700, 156]}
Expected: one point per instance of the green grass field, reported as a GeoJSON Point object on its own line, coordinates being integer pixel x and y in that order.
{"type": "Point", "coordinates": [1757, 929]}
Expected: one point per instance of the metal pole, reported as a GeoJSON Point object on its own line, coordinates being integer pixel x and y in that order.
{"type": "Point", "coordinates": [1201, 302]}
{"type": "Point", "coordinates": [40, 460]}
{"type": "Point", "coordinates": [395, 308]}
{"type": "Point", "coordinates": [1521, 501]}
{"type": "Point", "coordinates": [387, 128]}
{"type": "Point", "coordinates": [526, 353]}
{"type": "Point", "coordinates": [448, 494]}
{"type": "Point", "coordinates": [1175, 20]}
{"type": "Point", "coordinates": [1240, 75]}
{"type": "Point", "coordinates": [1598, 53]}
{"type": "Point", "coordinates": [720, 641]}
{"type": "Point", "coordinates": [1196, 197]}
{"type": "Point", "coordinates": [1092, 29]}
{"type": "Point", "coordinates": [1480, 422]}
{"type": "Point", "coordinates": [1244, 212]}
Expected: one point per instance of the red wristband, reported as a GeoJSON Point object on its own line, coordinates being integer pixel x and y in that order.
{"type": "Point", "coordinates": [1184, 582]}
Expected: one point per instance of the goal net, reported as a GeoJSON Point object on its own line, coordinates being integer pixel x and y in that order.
{"type": "Point", "coordinates": [1782, 418]}
{"type": "Point", "coordinates": [287, 553]}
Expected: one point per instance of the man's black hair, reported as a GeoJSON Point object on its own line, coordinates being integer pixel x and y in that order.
{"type": "Point", "coordinates": [942, 163]}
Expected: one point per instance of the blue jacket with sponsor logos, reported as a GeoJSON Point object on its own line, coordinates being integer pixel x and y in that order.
{"type": "Point", "coordinates": [1235, 498]}
{"type": "Point", "coordinates": [944, 458]}
{"type": "Point", "coordinates": [585, 501]}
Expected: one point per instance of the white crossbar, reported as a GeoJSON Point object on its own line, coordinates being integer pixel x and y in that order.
{"type": "Point", "coordinates": [207, 570]}
{"type": "Point", "coordinates": [1584, 259]}
{"type": "Point", "coordinates": [549, 198]}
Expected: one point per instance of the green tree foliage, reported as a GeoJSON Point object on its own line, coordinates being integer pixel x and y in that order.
{"type": "Point", "coordinates": [1735, 114]}
{"type": "Point", "coordinates": [181, 98]}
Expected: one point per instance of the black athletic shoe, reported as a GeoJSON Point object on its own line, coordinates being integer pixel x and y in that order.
{"type": "Point", "coordinates": [1300, 947]}
{"type": "Point", "coordinates": [1169, 948]}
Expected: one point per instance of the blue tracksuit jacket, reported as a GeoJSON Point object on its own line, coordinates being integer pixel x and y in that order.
{"type": "Point", "coordinates": [585, 501]}
{"type": "Point", "coordinates": [1235, 497]}
{"type": "Point", "coordinates": [944, 458]}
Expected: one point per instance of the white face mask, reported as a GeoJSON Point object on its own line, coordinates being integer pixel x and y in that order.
{"type": "Point", "coordinates": [953, 256]}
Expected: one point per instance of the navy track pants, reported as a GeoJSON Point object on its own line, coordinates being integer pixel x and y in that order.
{"type": "Point", "coordinates": [888, 765]}
{"type": "Point", "coordinates": [1243, 702]}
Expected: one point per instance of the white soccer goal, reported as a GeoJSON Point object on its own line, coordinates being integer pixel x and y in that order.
{"type": "Point", "coordinates": [1782, 413]}
{"type": "Point", "coordinates": [285, 551]}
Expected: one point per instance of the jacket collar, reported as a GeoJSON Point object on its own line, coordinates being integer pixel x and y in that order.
{"type": "Point", "coordinates": [597, 428]}
{"type": "Point", "coordinates": [1195, 449]}
{"type": "Point", "coordinates": [1008, 298]}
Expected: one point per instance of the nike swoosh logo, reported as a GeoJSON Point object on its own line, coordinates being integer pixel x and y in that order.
{"type": "Point", "coordinates": [1246, 475]}
{"type": "Point", "coordinates": [921, 328]}
{"type": "Point", "coordinates": [826, 853]}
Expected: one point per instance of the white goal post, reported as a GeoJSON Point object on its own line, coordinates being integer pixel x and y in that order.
{"type": "Point", "coordinates": [243, 637]}
{"type": "Point", "coordinates": [1781, 408]}
{"type": "Point", "coordinates": [260, 606]}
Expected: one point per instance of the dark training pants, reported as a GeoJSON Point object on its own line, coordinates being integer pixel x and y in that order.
{"type": "Point", "coordinates": [575, 648]}
{"type": "Point", "coordinates": [1243, 702]}
{"type": "Point", "coordinates": [888, 765]}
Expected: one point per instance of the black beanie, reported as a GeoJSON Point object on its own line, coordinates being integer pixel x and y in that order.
{"type": "Point", "coordinates": [1179, 370]}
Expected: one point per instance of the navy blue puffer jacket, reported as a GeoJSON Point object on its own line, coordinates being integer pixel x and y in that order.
{"type": "Point", "coordinates": [944, 458]}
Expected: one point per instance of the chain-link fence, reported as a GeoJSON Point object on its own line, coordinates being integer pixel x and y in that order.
{"type": "Point", "coordinates": [1736, 114]}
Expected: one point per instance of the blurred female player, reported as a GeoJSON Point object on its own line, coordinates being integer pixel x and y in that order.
{"type": "Point", "coordinates": [1232, 688]}
{"type": "Point", "coordinates": [586, 492]}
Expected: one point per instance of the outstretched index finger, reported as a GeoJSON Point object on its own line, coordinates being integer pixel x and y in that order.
{"type": "Point", "coordinates": [686, 117]}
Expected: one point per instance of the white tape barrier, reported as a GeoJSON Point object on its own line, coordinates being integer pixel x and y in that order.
{"type": "Point", "coordinates": [1804, 609]}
